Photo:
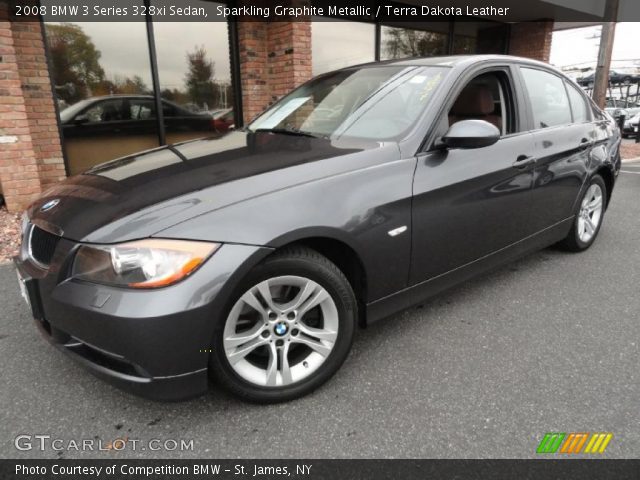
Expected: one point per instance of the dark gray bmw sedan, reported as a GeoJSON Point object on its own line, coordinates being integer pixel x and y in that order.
{"type": "Point", "coordinates": [251, 259]}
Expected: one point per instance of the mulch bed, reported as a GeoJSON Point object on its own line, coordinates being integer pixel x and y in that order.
{"type": "Point", "coordinates": [9, 234]}
{"type": "Point", "coordinates": [630, 150]}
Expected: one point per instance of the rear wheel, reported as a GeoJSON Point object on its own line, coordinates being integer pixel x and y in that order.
{"type": "Point", "coordinates": [289, 328]}
{"type": "Point", "coordinates": [589, 217]}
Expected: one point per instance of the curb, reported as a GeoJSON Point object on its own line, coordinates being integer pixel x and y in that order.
{"type": "Point", "coordinates": [631, 160]}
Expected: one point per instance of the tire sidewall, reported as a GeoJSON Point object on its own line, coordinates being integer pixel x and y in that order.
{"type": "Point", "coordinates": [339, 289]}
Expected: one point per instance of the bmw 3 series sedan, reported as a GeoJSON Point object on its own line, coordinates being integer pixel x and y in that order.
{"type": "Point", "coordinates": [251, 259]}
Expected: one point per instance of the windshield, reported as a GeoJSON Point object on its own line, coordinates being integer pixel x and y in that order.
{"type": "Point", "coordinates": [379, 102]}
{"type": "Point", "coordinates": [70, 112]}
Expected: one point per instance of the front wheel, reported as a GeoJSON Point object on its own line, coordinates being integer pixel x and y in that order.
{"type": "Point", "coordinates": [589, 217]}
{"type": "Point", "coordinates": [288, 330]}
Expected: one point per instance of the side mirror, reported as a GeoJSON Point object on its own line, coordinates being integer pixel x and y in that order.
{"type": "Point", "coordinates": [81, 119]}
{"type": "Point", "coordinates": [471, 134]}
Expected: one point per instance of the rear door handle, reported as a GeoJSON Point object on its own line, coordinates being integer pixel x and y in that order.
{"type": "Point", "coordinates": [524, 161]}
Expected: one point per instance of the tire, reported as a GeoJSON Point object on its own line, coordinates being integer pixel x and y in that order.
{"type": "Point", "coordinates": [583, 233]}
{"type": "Point", "coordinates": [307, 295]}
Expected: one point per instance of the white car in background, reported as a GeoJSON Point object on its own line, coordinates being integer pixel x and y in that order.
{"type": "Point", "coordinates": [630, 128]}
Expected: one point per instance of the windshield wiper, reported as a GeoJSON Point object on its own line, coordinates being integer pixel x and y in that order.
{"type": "Point", "coordinates": [289, 131]}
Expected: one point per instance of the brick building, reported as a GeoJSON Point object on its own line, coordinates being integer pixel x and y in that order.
{"type": "Point", "coordinates": [59, 82]}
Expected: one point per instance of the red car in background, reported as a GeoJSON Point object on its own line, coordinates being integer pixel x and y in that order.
{"type": "Point", "coordinates": [224, 121]}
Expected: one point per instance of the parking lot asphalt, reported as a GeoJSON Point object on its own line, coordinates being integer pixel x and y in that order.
{"type": "Point", "coordinates": [549, 343]}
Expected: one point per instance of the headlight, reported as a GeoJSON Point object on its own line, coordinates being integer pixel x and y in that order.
{"type": "Point", "coordinates": [148, 263]}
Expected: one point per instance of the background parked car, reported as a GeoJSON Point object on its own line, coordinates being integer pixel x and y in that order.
{"type": "Point", "coordinates": [625, 103]}
{"type": "Point", "coordinates": [631, 126]}
{"type": "Point", "coordinates": [617, 112]}
{"type": "Point", "coordinates": [614, 78]}
{"type": "Point", "coordinates": [215, 112]}
{"type": "Point", "coordinates": [102, 128]}
{"type": "Point", "coordinates": [224, 120]}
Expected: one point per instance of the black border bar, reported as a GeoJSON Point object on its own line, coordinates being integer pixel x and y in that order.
{"type": "Point", "coordinates": [566, 469]}
{"type": "Point", "coordinates": [319, 10]}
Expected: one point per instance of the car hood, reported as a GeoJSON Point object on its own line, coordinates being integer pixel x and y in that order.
{"type": "Point", "coordinates": [140, 195]}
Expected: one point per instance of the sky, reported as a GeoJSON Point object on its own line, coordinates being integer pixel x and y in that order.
{"type": "Point", "coordinates": [571, 47]}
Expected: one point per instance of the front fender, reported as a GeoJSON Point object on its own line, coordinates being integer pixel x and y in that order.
{"type": "Point", "coordinates": [357, 208]}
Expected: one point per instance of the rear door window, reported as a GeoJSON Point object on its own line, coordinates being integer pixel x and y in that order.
{"type": "Point", "coordinates": [578, 104]}
{"type": "Point", "coordinates": [548, 98]}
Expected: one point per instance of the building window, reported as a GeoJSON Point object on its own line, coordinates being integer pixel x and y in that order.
{"type": "Point", "coordinates": [195, 78]}
{"type": "Point", "coordinates": [398, 42]}
{"type": "Point", "coordinates": [103, 82]}
{"type": "Point", "coordinates": [486, 37]}
{"type": "Point", "coordinates": [463, 44]}
{"type": "Point", "coordinates": [89, 65]}
{"type": "Point", "coordinates": [340, 44]}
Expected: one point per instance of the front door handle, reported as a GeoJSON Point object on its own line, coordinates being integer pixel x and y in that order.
{"type": "Point", "coordinates": [524, 161]}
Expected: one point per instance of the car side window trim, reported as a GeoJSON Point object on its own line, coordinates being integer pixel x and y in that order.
{"type": "Point", "coordinates": [566, 91]}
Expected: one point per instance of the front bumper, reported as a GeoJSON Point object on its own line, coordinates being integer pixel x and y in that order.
{"type": "Point", "coordinates": [154, 343]}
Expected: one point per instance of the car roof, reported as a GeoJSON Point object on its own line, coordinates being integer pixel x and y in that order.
{"type": "Point", "coordinates": [455, 60]}
{"type": "Point", "coordinates": [462, 61]}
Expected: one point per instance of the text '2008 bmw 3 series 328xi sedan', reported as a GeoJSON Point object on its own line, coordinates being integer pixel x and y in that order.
{"type": "Point", "coordinates": [252, 258]}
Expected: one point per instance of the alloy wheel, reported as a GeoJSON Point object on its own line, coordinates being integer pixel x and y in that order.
{"type": "Point", "coordinates": [280, 331]}
{"type": "Point", "coordinates": [590, 213]}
